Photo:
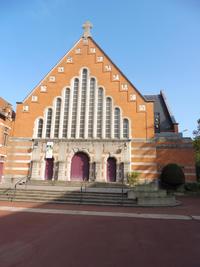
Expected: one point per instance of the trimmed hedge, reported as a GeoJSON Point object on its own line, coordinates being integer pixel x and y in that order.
{"type": "Point", "coordinates": [172, 176]}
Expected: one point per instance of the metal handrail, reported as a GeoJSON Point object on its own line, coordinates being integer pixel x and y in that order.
{"type": "Point", "coordinates": [17, 183]}
{"type": "Point", "coordinates": [81, 189]}
{"type": "Point", "coordinates": [14, 189]}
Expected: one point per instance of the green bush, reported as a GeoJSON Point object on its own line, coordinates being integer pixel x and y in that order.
{"type": "Point", "coordinates": [193, 187]}
{"type": "Point", "coordinates": [133, 178]}
{"type": "Point", "coordinates": [172, 176]}
{"type": "Point", "coordinates": [198, 171]}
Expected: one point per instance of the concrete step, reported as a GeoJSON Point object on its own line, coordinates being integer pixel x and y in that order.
{"type": "Point", "coordinates": [158, 201]}
{"type": "Point", "coordinates": [58, 194]}
{"type": "Point", "coordinates": [75, 183]}
{"type": "Point", "coordinates": [66, 197]}
{"type": "Point", "coordinates": [46, 197]}
{"type": "Point", "coordinates": [137, 194]}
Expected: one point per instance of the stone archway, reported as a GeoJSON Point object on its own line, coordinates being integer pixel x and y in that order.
{"type": "Point", "coordinates": [111, 169]}
{"type": "Point", "coordinates": [80, 167]}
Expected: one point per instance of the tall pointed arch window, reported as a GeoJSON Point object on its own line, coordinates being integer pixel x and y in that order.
{"type": "Point", "coordinates": [66, 112]}
{"type": "Point", "coordinates": [117, 123]}
{"type": "Point", "coordinates": [57, 118]}
{"type": "Point", "coordinates": [74, 108]}
{"type": "Point", "coordinates": [99, 112]}
{"type": "Point", "coordinates": [91, 108]}
{"type": "Point", "coordinates": [83, 102]}
{"type": "Point", "coordinates": [40, 128]}
{"type": "Point", "coordinates": [48, 122]}
{"type": "Point", "coordinates": [125, 128]}
{"type": "Point", "coordinates": [108, 116]}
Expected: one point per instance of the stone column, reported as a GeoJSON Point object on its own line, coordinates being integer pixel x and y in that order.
{"type": "Point", "coordinates": [126, 170]}
{"type": "Point", "coordinates": [35, 174]}
{"type": "Point", "coordinates": [98, 172]}
{"type": "Point", "coordinates": [61, 171]}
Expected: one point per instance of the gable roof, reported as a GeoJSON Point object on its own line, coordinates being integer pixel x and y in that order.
{"type": "Point", "coordinates": [66, 54]}
{"type": "Point", "coordinates": [161, 106]}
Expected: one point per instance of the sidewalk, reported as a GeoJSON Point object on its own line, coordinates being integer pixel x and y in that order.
{"type": "Point", "coordinates": [190, 208]}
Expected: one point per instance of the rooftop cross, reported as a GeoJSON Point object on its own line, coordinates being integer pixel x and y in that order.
{"type": "Point", "coordinates": [87, 26]}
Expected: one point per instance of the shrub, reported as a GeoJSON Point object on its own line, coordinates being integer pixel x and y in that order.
{"type": "Point", "coordinates": [132, 178]}
{"type": "Point", "coordinates": [193, 187]}
{"type": "Point", "coordinates": [172, 176]}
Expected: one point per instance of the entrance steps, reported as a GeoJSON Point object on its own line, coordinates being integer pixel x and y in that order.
{"type": "Point", "coordinates": [67, 197]}
{"type": "Point", "coordinates": [89, 193]}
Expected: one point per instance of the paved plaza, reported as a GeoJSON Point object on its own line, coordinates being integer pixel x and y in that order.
{"type": "Point", "coordinates": [75, 235]}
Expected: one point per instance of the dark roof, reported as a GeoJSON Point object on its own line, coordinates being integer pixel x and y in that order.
{"type": "Point", "coordinates": [167, 119]}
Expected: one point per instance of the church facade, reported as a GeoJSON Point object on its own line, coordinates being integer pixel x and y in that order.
{"type": "Point", "coordinates": [86, 121]}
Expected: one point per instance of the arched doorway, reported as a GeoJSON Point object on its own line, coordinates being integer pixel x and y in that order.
{"type": "Point", "coordinates": [49, 169]}
{"type": "Point", "coordinates": [111, 170]}
{"type": "Point", "coordinates": [80, 167]}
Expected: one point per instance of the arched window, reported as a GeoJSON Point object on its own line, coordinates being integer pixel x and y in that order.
{"type": "Point", "coordinates": [91, 108]}
{"type": "Point", "coordinates": [74, 108]}
{"type": "Point", "coordinates": [40, 128]}
{"type": "Point", "coordinates": [99, 112]}
{"type": "Point", "coordinates": [125, 128]}
{"type": "Point", "coordinates": [66, 112]}
{"type": "Point", "coordinates": [108, 116]}
{"type": "Point", "coordinates": [117, 123]}
{"type": "Point", "coordinates": [48, 122]}
{"type": "Point", "coordinates": [57, 118]}
{"type": "Point", "coordinates": [83, 103]}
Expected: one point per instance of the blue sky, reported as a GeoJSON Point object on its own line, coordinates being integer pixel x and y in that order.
{"type": "Point", "coordinates": [156, 43]}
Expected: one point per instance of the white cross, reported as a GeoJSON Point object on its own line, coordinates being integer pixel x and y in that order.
{"type": "Point", "coordinates": [87, 26]}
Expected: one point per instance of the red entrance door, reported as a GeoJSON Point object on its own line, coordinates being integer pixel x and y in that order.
{"type": "Point", "coordinates": [111, 170]}
{"type": "Point", "coordinates": [80, 167]}
{"type": "Point", "coordinates": [1, 170]}
{"type": "Point", "coordinates": [49, 169]}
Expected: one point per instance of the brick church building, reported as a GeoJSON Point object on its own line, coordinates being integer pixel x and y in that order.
{"type": "Point", "coordinates": [86, 121]}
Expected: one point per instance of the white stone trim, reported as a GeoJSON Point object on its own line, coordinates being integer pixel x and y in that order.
{"type": "Point", "coordinates": [129, 127]}
{"type": "Point", "coordinates": [120, 122]}
{"type": "Point", "coordinates": [35, 127]}
{"type": "Point", "coordinates": [87, 107]}
{"type": "Point", "coordinates": [53, 121]}
{"type": "Point", "coordinates": [103, 133]}
{"type": "Point", "coordinates": [60, 134]}
{"type": "Point", "coordinates": [95, 109]}
{"type": "Point", "coordinates": [79, 104]}
{"type": "Point", "coordinates": [52, 79]}
{"type": "Point", "coordinates": [143, 163]}
{"type": "Point", "coordinates": [34, 98]}
{"type": "Point", "coordinates": [143, 156]}
{"type": "Point", "coordinates": [17, 168]}
{"type": "Point", "coordinates": [45, 122]}
{"type": "Point", "coordinates": [19, 161]}
{"type": "Point", "coordinates": [143, 148]}
{"type": "Point", "coordinates": [71, 99]}
{"type": "Point", "coordinates": [59, 62]}
{"type": "Point", "coordinates": [61, 69]}
{"type": "Point", "coordinates": [146, 171]}
{"type": "Point", "coordinates": [20, 147]}
{"type": "Point", "coordinates": [43, 88]}
{"type": "Point", "coordinates": [19, 154]}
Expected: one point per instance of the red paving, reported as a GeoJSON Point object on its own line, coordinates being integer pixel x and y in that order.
{"type": "Point", "coordinates": [189, 206]}
{"type": "Point", "coordinates": [34, 239]}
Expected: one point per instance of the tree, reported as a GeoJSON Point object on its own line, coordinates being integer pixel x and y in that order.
{"type": "Point", "coordinates": [196, 133]}
{"type": "Point", "coordinates": [196, 144]}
